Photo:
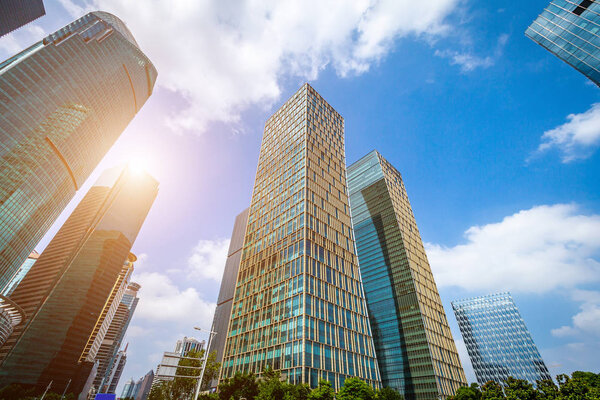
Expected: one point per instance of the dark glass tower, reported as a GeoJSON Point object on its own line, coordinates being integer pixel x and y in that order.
{"type": "Point", "coordinates": [16, 13]}
{"type": "Point", "coordinates": [416, 353]}
{"type": "Point", "coordinates": [569, 29]}
{"type": "Point", "coordinates": [225, 300]}
{"type": "Point", "coordinates": [63, 103]}
{"type": "Point", "coordinates": [497, 340]}
{"type": "Point", "coordinates": [299, 305]}
{"type": "Point", "coordinates": [66, 292]}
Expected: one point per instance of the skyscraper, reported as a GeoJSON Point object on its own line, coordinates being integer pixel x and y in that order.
{"type": "Point", "coordinates": [187, 344]}
{"type": "Point", "coordinates": [299, 305]}
{"type": "Point", "coordinates": [416, 353]}
{"type": "Point", "coordinates": [63, 103]}
{"type": "Point", "coordinates": [20, 274]}
{"type": "Point", "coordinates": [225, 299]}
{"type": "Point", "coordinates": [569, 30]}
{"type": "Point", "coordinates": [497, 340]}
{"type": "Point", "coordinates": [144, 386]}
{"type": "Point", "coordinates": [108, 352]}
{"type": "Point", "coordinates": [16, 13]}
{"type": "Point", "coordinates": [115, 372]}
{"type": "Point", "coordinates": [66, 292]}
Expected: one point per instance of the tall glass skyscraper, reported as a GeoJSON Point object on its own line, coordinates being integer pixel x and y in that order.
{"type": "Point", "coordinates": [16, 13]}
{"type": "Point", "coordinates": [569, 29]}
{"type": "Point", "coordinates": [497, 340]}
{"type": "Point", "coordinates": [299, 304]}
{"type": "Point", "coordinates": [416, 353]}
{"type": "Point", "coordinates": [67, 291]}
{"type": "Point", "coordinates": [227, 290]}
{"type": "Point", "coordinates": [63, 103]}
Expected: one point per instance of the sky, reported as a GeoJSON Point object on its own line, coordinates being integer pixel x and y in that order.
{"type": "Point", "coordinates": [497, 141]}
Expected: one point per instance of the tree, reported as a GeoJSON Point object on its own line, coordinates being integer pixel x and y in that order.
{"type": "Point", "coordinates": [322, 392]}
{"type": "Point", "coordinates": [297, 392]}
{"type": "Point", "coordinates": [239, 385]}
{"type": "Point", "coordinates": [355, 389]}
{"type": "Point", "coordinates": [184, 388]}
{"type": "Point", "coordinates": [15, 392]}
{"type": "Point", "coordinates": [467, 393]}
{"type": "Point", "coordinates": [388, 394]}
{"type": "Point", "coordinates": [519, 389]}
{"type": "Point", "coordinates": [492, 391]}
{"type": "Point", "coordinates": [271, 387]}
{"type": "Point", "coordinates": [546, 390]}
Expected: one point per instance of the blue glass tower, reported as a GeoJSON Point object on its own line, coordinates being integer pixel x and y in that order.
{"type": "Point", "coordinates": [63, 103]}
{"type": "Point", "coordinates": [569, 29]}
{"type": "Point", "coordinates": [497, 340]}
{"type": "Point", "coordinates": [415, 350]}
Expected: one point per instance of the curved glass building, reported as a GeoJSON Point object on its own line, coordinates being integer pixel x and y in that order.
{"type": "Point", "coordinates": [63, 103]}
{"type": "Point", "coordinates": [11, 315]}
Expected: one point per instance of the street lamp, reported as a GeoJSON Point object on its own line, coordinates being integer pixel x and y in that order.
{"type": "Point", "coordinates": [211, 334]}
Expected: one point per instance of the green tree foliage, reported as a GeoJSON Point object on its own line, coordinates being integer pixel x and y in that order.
{"type": "Point", "coordinates": [492, 391]}
{"type": "Point", "coordinates": [238, 386]}
{"type": "Point", "coordinates": [580, 386]}
{"type": "Point", "coordinates": [322, 392]}
{"type": "Point", "coordinates": [388, 394]}
{"type": "Point", "coordinates": [546, 390]}
{"type": "Point", "coordinates": [355, 389]}
{"type": "Point", "coordinates": [467, 393]}
{"type": "Point", "coordinates": [519, 389]}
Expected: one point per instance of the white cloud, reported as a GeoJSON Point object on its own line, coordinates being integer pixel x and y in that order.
{"type": "Point", "coordinates": [161, 300]}
{"type": "Point", "coordinates": [587, 321]}
{"type": "Point", "coordinates": [577, 138]}
{"type": "Point", "coordinates": [469, 61]}
{"type": "Point", "coordinates": [20, 39]}
{"type": "Point", "coordinates": [208, 259]}
{"type": "Point", "coordinates": [222, 56]}
{"type": "Point", "coordinates": [535, 250]}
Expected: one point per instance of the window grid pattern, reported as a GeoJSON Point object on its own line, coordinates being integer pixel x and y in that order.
{"type": "Point", "coordinates": [497, 340]}
{"type": "Point", "coordinates": [417, 355]}
{"type": "Point", "coordinates": [299, 305]}
{"type": "Point", "coordinates": [570, 30]}
{"type": "Point", "coordinates": [63, 103]}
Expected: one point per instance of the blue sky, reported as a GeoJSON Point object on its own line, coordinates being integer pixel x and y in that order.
{"type": "Point", "coordinates": [495, 137]}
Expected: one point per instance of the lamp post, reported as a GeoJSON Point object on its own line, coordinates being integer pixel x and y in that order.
{"type": "Point", "coordinates": [210, 336]}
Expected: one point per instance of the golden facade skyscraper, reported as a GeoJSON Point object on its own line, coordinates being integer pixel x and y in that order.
{"type": "Point", "coordinates": [299, 305]}
{"type": "Point", "coordinates": [416, 353]}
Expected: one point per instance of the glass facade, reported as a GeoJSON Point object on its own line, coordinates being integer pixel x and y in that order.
{"type": "Point", "coordinates": [67, 291]}
{"type": "Point", "coordinates": [299, 304]}
{"type": "Point", "coordinates": [497, 340]}
{"type": "Point", "coordinates": [416, 353]}
{"type": "Point", "coordinates": [570, 30]}
{"type": "Point", "coordinates": [16, 13]}
{"type": "Point", "coordinates": [226, 292]}
{"type": "Point", "coordinates": [63, 103]}
{"type": "Point", "coordinates": [20, 274]}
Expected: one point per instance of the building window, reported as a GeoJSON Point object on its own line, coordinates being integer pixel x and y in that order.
{"type": "Point", "coordinates": [582, 6]}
